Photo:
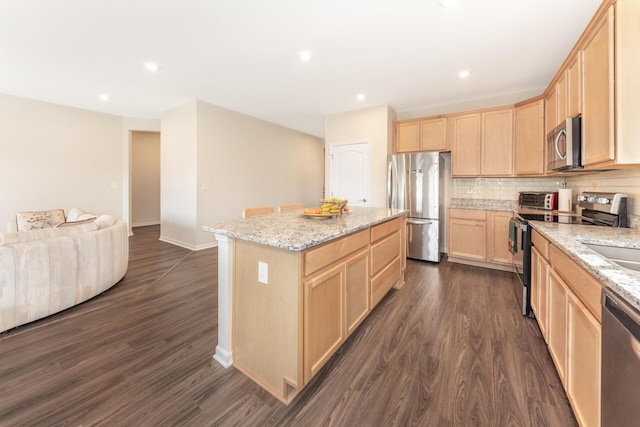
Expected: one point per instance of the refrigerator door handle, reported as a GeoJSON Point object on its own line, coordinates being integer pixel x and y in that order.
{"type": "Point", "coordinates": [390, 183]}
{"type": "Point", "coordinates": [420, 221]}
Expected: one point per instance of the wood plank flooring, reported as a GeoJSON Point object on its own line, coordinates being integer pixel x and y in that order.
{"type": "Point", "coordinates": [449, 349]}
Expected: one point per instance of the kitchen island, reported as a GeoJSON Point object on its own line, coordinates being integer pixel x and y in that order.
{"type": "Point", "coordinates": [291, 289]}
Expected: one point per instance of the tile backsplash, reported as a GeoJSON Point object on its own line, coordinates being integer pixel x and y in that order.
{"type": "Point", "coordinates": [618, 181]}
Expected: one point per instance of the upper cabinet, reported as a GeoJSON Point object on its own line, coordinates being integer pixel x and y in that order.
{"type": "Point", "coordinates": [598, 143]}
{"type": "Point", "coordinates": [482, 143]}
{"type": "Point", "coordinates": [529, 138]}
{"type": "Point", "coordinates": [428, 134]}
{"type": "Point", "coordinates": [551, 109]}
{"type": "Point", "coordinates": [574, 86]}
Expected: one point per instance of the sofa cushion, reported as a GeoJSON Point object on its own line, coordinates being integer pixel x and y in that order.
{"type": "Point", "coordinates": [74, 223]}
{"type": "Point", "coordinates": [13, 238]}
{"type": "Point", "coordinates": [39, 219]}
{"type": "Point", "coordinates": [77, 214]}
{"type": "Point", "coordinates": [104, 221]}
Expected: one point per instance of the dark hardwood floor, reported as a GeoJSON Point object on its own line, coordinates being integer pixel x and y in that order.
{"type": "Point", "coordinates": [450, 349]}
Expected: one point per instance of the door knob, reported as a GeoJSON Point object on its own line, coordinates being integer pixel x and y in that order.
{"type": "Point", "coordinates": [362, 200]}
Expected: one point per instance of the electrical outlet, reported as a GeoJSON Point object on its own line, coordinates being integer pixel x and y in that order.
{"type": "Point", "coordinates": [263, 272]}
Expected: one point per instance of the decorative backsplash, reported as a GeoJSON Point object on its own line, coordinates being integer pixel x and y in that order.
{"type": "Point", "coordinates": [618, 181]}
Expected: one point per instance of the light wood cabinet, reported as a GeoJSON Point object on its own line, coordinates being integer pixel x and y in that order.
{"type": "Point", "coordinates": [497, 143]}
{"type": "Point", "coordinates": [558, 323]}
{"type": "Point", "coordinates": [540, 281]}
{"type": "Point", "coordinates": [468, 234]}
{"type": "Point", "coordinates": [482, 143]}
{"type": "Point", "coordinates": [566, 301]}
{"type": "Point", "coordinates": [429, 134]}
{"type": "Point", "coordinates": [583, 362]}
{"type": "Point", "coordinates": [285, 330]}
{"type": "Point", "coordinates": [407, 137]}
{"type": "Point", "coordinates": [598, 142]}
{"type": "Point", "coordinates": [323, 318]}
{"type": "Point", "coordinates": [574, 86]}
{"type": "Point", "coordinates": [529, 138]}
{"type": "Point", "coordinates": [551, 110]}
{"type": "Point", "coordinates": [466, 145]}
{"type": "Point", "coordinates": [561, 94]}
{"type": "Point", "coordinates": [498, 237]}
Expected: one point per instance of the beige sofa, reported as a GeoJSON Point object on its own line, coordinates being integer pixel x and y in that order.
{"type": "Point", "coordinates": [48, 270]}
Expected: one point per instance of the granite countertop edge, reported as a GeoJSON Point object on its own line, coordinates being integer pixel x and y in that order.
{"type": "Point", "coordinates": [294, 233]}
{"type": "Point", "coordinates": [571, 240]}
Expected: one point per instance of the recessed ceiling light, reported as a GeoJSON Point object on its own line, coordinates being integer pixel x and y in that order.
{"type": "Point", "coordinates": [464, 74]}
{"type": "Point", "coordinates": [305, 56]}
{"type": "Point", "coordinates": [448, 3]}
{"type": "Point", "coordinates": [104, 97]}
{"type": "Point", "coordinates": [151, 66]}
{"type": "Point", "coordinates": [360, 97]}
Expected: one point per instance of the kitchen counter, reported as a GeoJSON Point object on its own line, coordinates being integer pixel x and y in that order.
{"type": "Point", "coordinates": [570, 238]}
{"type": "Point", "coordinates": [291, 289]}
{"type": "Point", "coordinates": [295, 232]}
{"type": "Point", "coordinates": [484, 204]}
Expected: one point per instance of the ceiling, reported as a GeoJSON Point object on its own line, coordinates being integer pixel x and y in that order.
{"type": "Point", "coordinates": [244, 54]}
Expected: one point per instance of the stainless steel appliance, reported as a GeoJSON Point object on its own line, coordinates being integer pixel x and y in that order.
{"type": "Point", "coordinates": [564, 146]}
{"type": "Point", "coordinates": [414, 182]}
{"type": "Point", "coordinates": [603, 209]}
{"type": "Point", "coordinates": [620, 368]}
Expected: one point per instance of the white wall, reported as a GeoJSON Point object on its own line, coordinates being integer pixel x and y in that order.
{"type": "Point", "coordinates": [215, 162]}
{"type": "Point", "coordinates": [53, 156]}
{"type": "Point", "coordinates": [145, 178]}
{"type": "Point", "coordinates": [372, 124]}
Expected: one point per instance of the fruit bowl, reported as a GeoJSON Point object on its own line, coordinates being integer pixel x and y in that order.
{"type": "Point", "coordinates": [333, 205]}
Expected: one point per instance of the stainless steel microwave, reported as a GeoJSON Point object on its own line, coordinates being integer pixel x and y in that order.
{"type": "Point", "coordinates": [564, 146]}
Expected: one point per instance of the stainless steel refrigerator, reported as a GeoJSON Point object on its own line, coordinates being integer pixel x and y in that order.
{"type": "Point", "coordinates": [414, 183]}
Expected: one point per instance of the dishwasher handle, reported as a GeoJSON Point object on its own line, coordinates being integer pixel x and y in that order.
{"type": "Point", "coordinates": [623, 312]}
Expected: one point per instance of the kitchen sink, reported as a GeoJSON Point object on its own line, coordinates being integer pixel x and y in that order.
{"type": "Point", "coordinates": [624, 257]}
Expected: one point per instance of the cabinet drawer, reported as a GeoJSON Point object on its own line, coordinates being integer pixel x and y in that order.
{"type": "Point", "coordinates": [541, 244]}
{"type": "Point", "coordinates": [381, 283]}
{"type": "Point", "coordinates": [586, 287]}
{"type": "Point", "coordinates": [325, 255]}
{"type": "Point", "coordinates": [383, 252]}
{"type": "Point", "coordinates": [386, 228]}
{"type": "Point", "coordinates": [468, 214]}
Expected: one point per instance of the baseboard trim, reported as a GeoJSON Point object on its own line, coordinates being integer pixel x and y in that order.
{"type": "Point", "coordinates": [146, 223]}
{"type": "Point", "coordinates": [484, 264]}
{"type": "Point", "coordinates": [188, 245]}
{"type": "Point", "coordinates": [223, 357]}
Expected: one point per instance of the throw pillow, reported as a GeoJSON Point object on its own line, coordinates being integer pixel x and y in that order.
{"type": "Point", "coordinates": [39, 219]}
{"type": "Point", "coordinates": [80, 221]}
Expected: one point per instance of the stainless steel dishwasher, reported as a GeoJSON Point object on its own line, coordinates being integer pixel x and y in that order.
{"type": "Point", "coordinates": [620, 362]}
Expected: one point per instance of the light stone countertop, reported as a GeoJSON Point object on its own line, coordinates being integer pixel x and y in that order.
{"type": "Point", "coordinates": [294, 232]}
{"type": "Point", "coordinates": [484, 204]}
{"type": "Point", "coordinates": [570, 238]}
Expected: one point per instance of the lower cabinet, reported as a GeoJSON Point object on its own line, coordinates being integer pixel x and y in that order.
{"type": "Point", "coordinates": [480, 237]}
{"type": "Point", "coordinates": [573, 332]}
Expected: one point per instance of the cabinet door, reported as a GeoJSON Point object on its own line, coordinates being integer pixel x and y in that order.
{"type": "Point", "coordinates": [498, 237]}
{"type": "Point", "coordinates": [465, 150]}
{"type": "Point", "coordinates": [551, 111]}
{"type": "Point", "coordinates": [598, 97]}
{"type": "Point", "coordinates": [497, 143]}
{"type": "Point", "coordinates": [574, 86]}
{"type": "Point", "coordinates": [583, 362]}
{"type": "Point", "coordinates": [530, 139]}
{"type": "Point", "coordinates": [356, 290]}
{"type": "Point", "coordinates": [407, 137]}
{"type": "Point", "coordinates": [561, 93]}
{"type": "Point", "coordinates": [540, 290]}
{"type": "Point", "coordinates": [323, 318]}
{"type": "Point", "coordinates": [467, 238]}
{"type": "Point", "coordinates": [558, 323]}
{"type": "Point", "coordinates": [433, 134]}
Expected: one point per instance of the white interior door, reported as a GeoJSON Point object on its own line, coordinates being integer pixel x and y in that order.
{"type": "Point", "coordinates": [350, 173]}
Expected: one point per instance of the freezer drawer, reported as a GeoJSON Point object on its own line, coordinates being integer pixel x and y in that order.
{"type": "Point", "coordinates": [423, 239]}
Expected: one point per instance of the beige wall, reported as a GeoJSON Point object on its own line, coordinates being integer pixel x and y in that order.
{"type": "Point", "coordinates": [372, 124]}
{"type": "Point", "coordinates": [53, 156]}
{"type": "Point", "coordinates": [226, 161]}
{"type": "Point", "coordinates": [178, 172]}
{"type": "Point", "coordinates": [145, 178]}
